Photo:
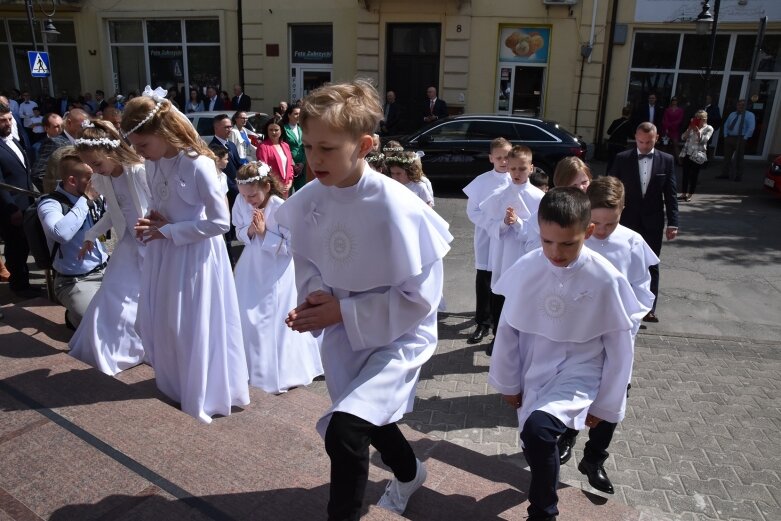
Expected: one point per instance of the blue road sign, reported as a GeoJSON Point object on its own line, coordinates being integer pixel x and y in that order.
{"type": "Point", "coordinates": [39, 64]}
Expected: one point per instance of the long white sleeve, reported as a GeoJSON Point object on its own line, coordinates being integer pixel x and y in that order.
{"type": "Point", "coordinates": [610, 403]}
{"type": "Point", "coordinates": [505, 371]}
{"type": "Point", "coordinates": [375, 319]}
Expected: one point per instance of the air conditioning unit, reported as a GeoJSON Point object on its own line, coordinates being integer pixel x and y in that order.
{"type": "Point", "coordinates": [559, 2]}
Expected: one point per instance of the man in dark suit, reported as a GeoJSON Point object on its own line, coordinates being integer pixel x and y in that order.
{"type": "Point", "coordinates": [71, 131]}
{"type": "Point", "coordinates": [434, 108]}
{"type": "Point", "coordinates": [213, 101]}
{"type": "Point", "coordinates": [15, 171]}
{"type": "Point", "coordinates": [240, 100]}
{"type": "Point", "coordinates": [649, 182]}
{"type": "Point", "coordinates": [648, 112]}
{"type": "Point", "coordinates": [391, 119]}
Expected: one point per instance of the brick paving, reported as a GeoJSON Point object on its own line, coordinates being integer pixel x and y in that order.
{"type": "Point", "coordinates": [697, 442]}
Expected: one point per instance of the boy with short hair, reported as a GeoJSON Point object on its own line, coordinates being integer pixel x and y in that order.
{"type": "Point", "coordinates": [477, 191]}
{"type": "Point", "coordinates": [628, 252]}
{"type": "Point", "coordinates": [564, 348]}
{"type": "Point", "coordinates": [350, 284]}
{"type": "Point", "coordinates": [506, 213]}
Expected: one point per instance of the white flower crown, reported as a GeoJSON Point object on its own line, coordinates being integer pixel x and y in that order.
{"type": "Point", "coordinates": [102, 142]}
{"type": "Point", "coordinates": [399, 160]}
{"type": "Point", "coordinates": [263, 171]}
{"type": "Point", "coordinates": [159, 96]}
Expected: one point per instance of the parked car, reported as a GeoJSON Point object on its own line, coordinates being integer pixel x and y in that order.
{"type": "Point", "coordinates": [456, 148]}
{"type": "Point", "coordinates": [773, 177]}
{"type": "Point", "coordinates": [204, 121]}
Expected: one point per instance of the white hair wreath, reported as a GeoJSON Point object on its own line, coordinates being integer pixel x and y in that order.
{"type": "Point", "coordinates": [159, 96]}
{"type": "Point", "coordinates": [263, 171]}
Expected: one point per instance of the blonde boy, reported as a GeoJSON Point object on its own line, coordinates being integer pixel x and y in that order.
{"type": "Point", "coordinates": [486, 305]}
{"type": "Point", "coordinates": [506, 213]}
{"type": "Point", "coordinates": [349, 284]}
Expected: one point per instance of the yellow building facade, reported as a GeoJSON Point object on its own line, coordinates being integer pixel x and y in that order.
{"type": "Point", "coordinates": [577, 62]}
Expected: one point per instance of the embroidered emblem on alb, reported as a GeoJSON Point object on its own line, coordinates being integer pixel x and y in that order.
{"type": "Point", "coordinates": [340, 245]}
{"type": "Point", "coordinates": [554, 306]}
{"type": "Point", "coordinates": [162, 192]}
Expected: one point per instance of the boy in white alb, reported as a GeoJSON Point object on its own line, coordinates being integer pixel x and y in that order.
{"type": "Point", "coordinates": [564, 348]}
{"type": "Point", "coordinates": [507, 212]}
{"type": "Point", "coordinates": [626, 250]}
{"type": "Point", "coordinates": [368, 256]}
{"type": "Point", "coordinates": [478, 191]}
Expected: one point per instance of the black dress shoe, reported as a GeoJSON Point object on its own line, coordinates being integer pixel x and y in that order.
{"type": "Point", "coordinates": [565, 443]}
{"type": "Point", "coordinates": [478, 335]}
{"type": "Point", "coordinates": [651, 317]}
{"type": "Point", "coordinates": [597, 477]}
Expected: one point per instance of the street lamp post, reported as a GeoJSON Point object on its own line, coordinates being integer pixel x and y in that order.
{"type": "Point", "coordinates": [706, 21]}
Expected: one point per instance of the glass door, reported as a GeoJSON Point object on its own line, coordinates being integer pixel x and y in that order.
{"type": "Point", "coordinates": [527, 91]}
{"type": "Point", "coordinates": [761, 101]}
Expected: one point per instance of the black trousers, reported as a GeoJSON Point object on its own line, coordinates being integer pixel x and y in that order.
{"type": "Point", "coordinates": [483, 314]}
{"type": "Point", "coordinates": [691, 171]}
{"type": "Point", "coordinates": [347, 441]}
{"type": "Point", "coordinates": [540, 433]}
{"type": "Point", "coordinates": [16, 251]}
{"type": "Point", "coordinates": [497, 303]}
{"type": "Point", "coordinates": [599, 439]}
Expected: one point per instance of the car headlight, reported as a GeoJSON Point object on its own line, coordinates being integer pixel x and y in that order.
{"type": "Point", "coordinates": [776, 169]}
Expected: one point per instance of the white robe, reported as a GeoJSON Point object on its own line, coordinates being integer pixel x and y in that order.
{"type": "Point", "coordinates": [478, 191]}
{"type": "Point", "coordinates": [106, 337]}
{"type": "Point", "coordinates": [188, 315]}
{"type": "Point", "coordinates": [421, 190]}
{"type": "Point", "coordinates": [509, 241]}
{"type": "Point", "coordinates": [278, 358]}
{"type": "Point", "coordinates": [378, 249]}
{"type": "Point", "coordinates": [565, 338]}
{"type": "Point", "coordinates": [628, 252]}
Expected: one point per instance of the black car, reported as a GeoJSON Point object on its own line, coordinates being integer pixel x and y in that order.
{"type": "Point", "coordinates": [456, 148]}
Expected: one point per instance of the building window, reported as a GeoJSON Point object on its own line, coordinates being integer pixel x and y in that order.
{"type": "Point", "coordinates": [165, 53]}
{"type": "Point", "coordinates": [16, 40]}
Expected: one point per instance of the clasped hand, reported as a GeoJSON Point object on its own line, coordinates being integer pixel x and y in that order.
{"type": "Point", "coordinates": [258, 224]}
{"type": "Point", "coordinates": [148, 228]}
{"type": "Point", "coordinates": [509, 216]}
{"type": "Point", "coordinates": [319, 310]}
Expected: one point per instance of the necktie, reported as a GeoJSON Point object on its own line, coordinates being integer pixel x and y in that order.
{"type": "Point", "coordinates": [734, 123]}
{"type": "Point", "coordinates": [645, 156]}
{"type": "Point", "coordinates": [431, 107]}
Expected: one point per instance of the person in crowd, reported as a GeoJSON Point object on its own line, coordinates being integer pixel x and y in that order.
{"type": "Point", "coordinates": [194, 104]}
{"type": "Point", "coordinates": [240, 100]}
{"type": "Point", "coordinates": [618, 135]}
{"type": "Point", "coordinates": [226, 100]}
{"type": "Point", "coordinates": [507, 213]}
{"type": "Point", "coordinates": [66, 217]}
{"type": "Point", "coordinates": [738, 128]}
{"type": "Point", "coordinates": [276, 153]}
{"type": "Point", "coordinates": [14, 170]}
{"type": "Point", "coordinates": [649, 111]}
{"type": "Point", "coordinates": [477, 191]}
{"type": "Point", "coordinates": [281, 110]}
{"type": "Point", "coordinates": [199, 362]}
{"type": "Point", "coordinates": [434, 108]}
{"type": "Point", "coordinates": [391, 115]}
{"type": "Point", "coordinates": [113, 115]}
{"type": "Point", "coordinates": [26, 111]}
{"type": "Point", "coordinates": [695, 152]}
{"type": "Point", "coordinates": [539, 179]}
{"type": "Point", "coordinates": [37, 132]}
{"type": "Point", "coordinates": [221, 139]}
{"type": "Point", "coordinates": [293, 136]}
{"type": "Point", "coordinates": [240, 136]}
{"type": "Point", "coordinates": [376, 308]}
{"type": "Point", "coordinates": [630, 255]}
{"type": "Point", "coordinates": [100, 100]}
{"type": "Point", "coordinates": [672, 120]}
{"type": "Point", "coordinates": [45, 168]}
{"type": "Point", "coordinates": [213, 99]}
{"type": "Point", "coordinates": [106, 338]}
{"type": "Point", "coordinates": [407, 170]}
{"type": "Point", "coordinates": [564, 349]}
{"type": "Point", "coordinates": [278, 358]}
{"type": "Point", "coordinates": [651, 203]}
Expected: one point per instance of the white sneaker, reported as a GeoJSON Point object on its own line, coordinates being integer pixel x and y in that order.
{"type": "Point", "coordinates": [397, 493]}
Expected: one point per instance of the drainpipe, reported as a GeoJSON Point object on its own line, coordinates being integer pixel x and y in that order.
{"type": "Point", "coordinates": [606, 76]}
{"type": "Point", "coordinates": [240, 21]}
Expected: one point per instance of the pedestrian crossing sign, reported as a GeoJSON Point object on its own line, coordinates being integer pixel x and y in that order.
{"type": "Point", "coordinates": [39, 64]}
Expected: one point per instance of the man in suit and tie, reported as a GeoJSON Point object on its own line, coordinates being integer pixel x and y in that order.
{"type": "Point", "coordinates": [222, 130]}
{"type": "Point", "coordinates": [391, 119]}
{"type": "Point", "coordinates": [650, 112]}
{"type": "Point", "coordinates": [738, 128]}
{"type": "Point", "coordinates": [434, 108]}
{"type": "Point", "coordinates": [15, 171]}
{"type": "Point", "coordinates": [240, 100]}
{"type": "Point", "coordinates": [649, 182]}
{"type": "Point", "coordinates": [213, 101]}
{"type": "Point", "coordinates": [71, 131]}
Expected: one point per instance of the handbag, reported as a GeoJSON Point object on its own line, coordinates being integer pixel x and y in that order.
{"type": "Point", "coordinates": [698, 156]}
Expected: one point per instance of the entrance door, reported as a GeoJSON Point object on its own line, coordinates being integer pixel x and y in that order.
{"type": "Point", "coordinates": [761, 101]}
{"type": "Point", "coordinates": [527, 91]}
{"type": "Point", "coordinates": [304, 80]}
{"type": "Point", "coordinates": [411, 66]}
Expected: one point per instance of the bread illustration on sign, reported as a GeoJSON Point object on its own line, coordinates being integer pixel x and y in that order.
{"type": "Point", "coordinates": [524, 44]}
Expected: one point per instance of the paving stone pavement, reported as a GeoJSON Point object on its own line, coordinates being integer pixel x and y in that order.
{"type": "Point", "coordinates": [698, 441]}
